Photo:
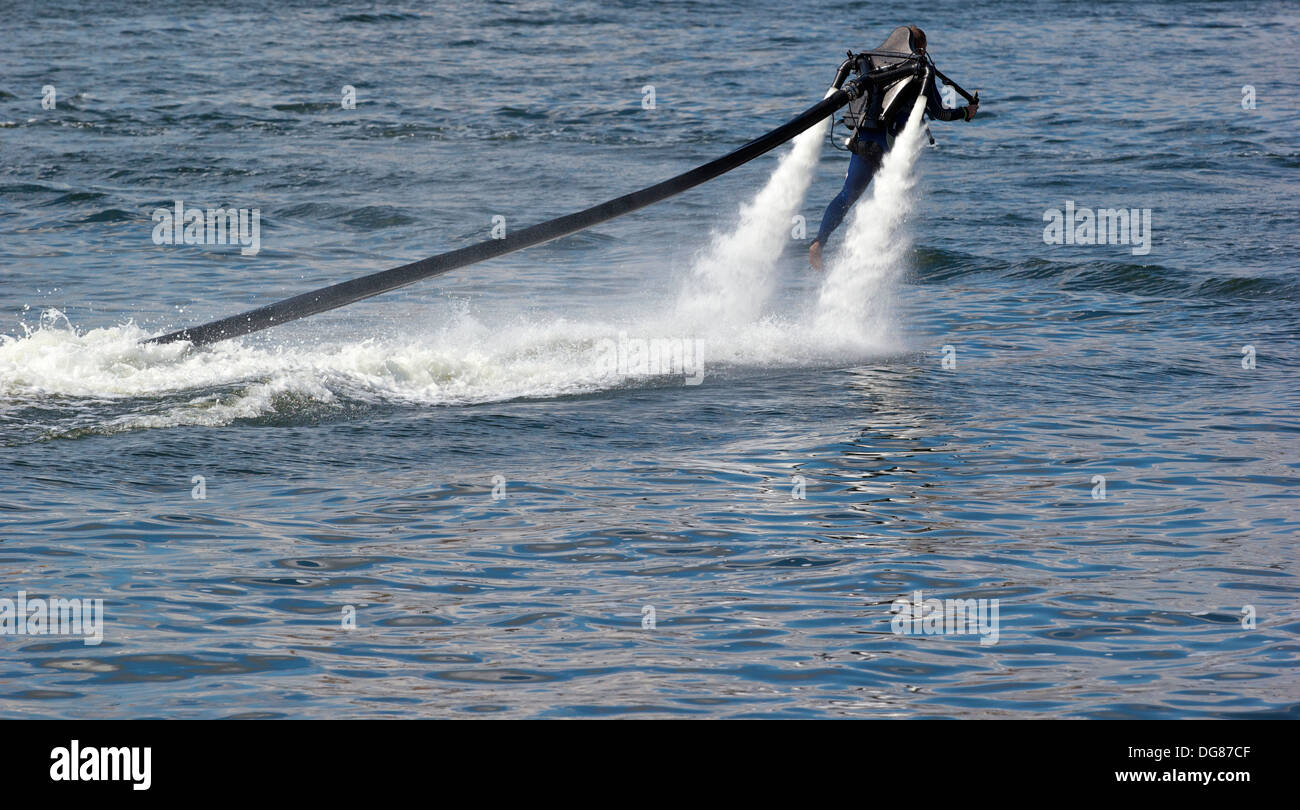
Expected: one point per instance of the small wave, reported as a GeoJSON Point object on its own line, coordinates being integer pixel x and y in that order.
{"type": "Point", "coordinates": [1159, 281]}
{"type": "Point", "coordinates": [306, 106]}
{"type": "Point", "coordinates": [25, 188]}
{"type": "Point", "coordinates": [381, 17]}
{"type": "Point", "coordinates": [111, 215]}
{"type": "Point", "coordinates": [376, 217]}
{"type": "Point", "coordinates": [936, 266]}
{"type": "Point", "coordinates": [74, 197]}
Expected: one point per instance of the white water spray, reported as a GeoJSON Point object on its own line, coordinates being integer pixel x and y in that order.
{"type": "Point", "coordinates": [854, 307]}
{"type": "Point", "coordinates": [103, 381]}
{"type": "Point", "coordinates": [733, 280]}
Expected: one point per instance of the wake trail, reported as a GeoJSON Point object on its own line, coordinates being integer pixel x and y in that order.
{"type": "Point", "coordinates": [63, 382]}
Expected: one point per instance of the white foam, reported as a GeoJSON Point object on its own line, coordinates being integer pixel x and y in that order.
{"type": "Point", "coordinates": [109, 381]}
{"type": "Point", "coordinates": [108, 371]}
{"type": "Point", "coordinates": [735, 277]}
{"type": "Point", "coordinates": [855, 305]}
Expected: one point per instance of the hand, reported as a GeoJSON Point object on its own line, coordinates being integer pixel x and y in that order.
{"type": "Point", "coordinates": [971, 109]}
{"type": "Point", "coordinates": [815, 255]}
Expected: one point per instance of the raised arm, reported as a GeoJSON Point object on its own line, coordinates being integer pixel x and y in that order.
{"type": "Point", "coordinates": [934, 104]}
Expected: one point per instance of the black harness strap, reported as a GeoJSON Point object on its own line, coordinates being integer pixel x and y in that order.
{"type": "Point", "coordinates": [972, 99]}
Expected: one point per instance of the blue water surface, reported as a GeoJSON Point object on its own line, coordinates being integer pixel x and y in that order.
{"type": "Point", "coordinates": [437, 467]}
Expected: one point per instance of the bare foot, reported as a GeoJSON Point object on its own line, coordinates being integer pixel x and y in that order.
{"type": "Point", "coordinates": [815, 255]}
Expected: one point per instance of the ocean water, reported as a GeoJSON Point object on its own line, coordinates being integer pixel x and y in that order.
{"type": "Point", "coordinates": [465, 498]}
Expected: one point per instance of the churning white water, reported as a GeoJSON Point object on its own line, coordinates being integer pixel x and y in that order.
{"type": "Point", "coordinates": [734, 278]}
{"type": "Point", "coordinates": [112, 382]}
{"type": "Point", "coordinates": [854, 307]}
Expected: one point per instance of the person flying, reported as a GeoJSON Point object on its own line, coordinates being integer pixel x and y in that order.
{"type": "Point", "coordinates": [877, 119]}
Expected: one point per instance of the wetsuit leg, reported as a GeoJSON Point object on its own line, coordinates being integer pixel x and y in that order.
{"type": "Point", "coordinates": [861, 170]}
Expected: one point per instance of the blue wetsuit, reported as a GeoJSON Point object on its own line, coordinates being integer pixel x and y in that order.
{"type": "Point", "coordinates": [861, 169]}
